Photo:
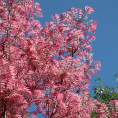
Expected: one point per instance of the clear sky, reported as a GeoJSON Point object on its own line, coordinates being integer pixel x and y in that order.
{"type": "Point", "coordinates": [105, 47]}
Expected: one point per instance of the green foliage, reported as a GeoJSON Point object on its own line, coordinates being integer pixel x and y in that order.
{"type": "Point", "coordinates": [94, 114]}
{"type": "Point", "coordinates": [104, 94]}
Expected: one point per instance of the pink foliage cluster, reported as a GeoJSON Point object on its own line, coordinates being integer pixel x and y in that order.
{"type": "Point", "coordinates": [49, 66]}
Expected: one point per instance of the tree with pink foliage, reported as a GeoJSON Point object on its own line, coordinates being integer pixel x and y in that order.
{"type": "Point", "coordinates": [49, 67]}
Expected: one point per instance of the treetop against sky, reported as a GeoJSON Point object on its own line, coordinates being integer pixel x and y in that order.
{"type": "Point", "coordinates": [38, 64]}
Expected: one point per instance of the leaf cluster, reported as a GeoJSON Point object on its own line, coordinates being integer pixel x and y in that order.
{"type": "Point", "coordinates": [104, 94]}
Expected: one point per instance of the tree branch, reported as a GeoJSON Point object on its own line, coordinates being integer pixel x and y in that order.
{"type": "Point", "coordinates": [53, 112]}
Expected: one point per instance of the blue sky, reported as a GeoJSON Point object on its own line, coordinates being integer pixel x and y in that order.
{"type": "Point", "coordinates": [105, 47]}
